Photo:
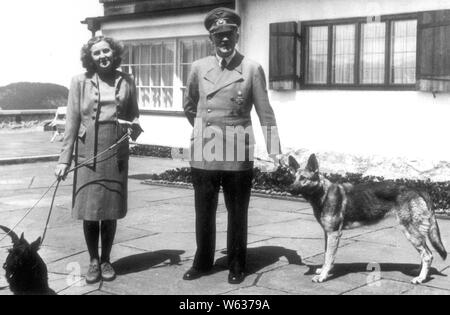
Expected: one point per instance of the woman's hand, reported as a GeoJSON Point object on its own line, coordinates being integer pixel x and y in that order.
{"type": "Point", "coordinates": [133, 128]}
{"type": "Point", "coordinates": [61, 171]}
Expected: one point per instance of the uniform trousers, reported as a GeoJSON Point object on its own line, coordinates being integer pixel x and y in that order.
{"type": "Point", "coordinates": [236, 189]}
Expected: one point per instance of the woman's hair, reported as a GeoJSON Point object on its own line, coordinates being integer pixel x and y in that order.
{"type": "Point", "coordinates": [86, 57]}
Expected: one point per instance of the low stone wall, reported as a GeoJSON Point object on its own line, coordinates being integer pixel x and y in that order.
{"type": "Point", "coordinates": [12, 118]}
{"type": "Point", "coordinates": [387, 167]}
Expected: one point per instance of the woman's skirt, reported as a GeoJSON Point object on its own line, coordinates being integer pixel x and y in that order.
{"type": "Point", "coordinates": [100, 187]}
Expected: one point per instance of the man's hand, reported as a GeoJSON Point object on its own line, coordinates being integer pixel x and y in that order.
{"type": "Point", "coordinates": [61, 171]}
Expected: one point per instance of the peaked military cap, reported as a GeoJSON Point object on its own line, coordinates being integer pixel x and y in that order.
{"type": "Point", "coordinates": [222, 20]}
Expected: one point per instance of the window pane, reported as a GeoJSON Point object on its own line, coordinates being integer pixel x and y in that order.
{"type": "Point", "coordinates": [344, 54]}
{"type": "Point", "coordinates": [318, 55]}
{"type": "Point", "coordinates": [168, 53]}
{"type": "Point", "coordinates": [185, 70]}
{"type": "Point", "coordinates": [167, 76]}
{"type": "Point", "coordinates": [145, 55]}
{"type": "Point", "coordinates": [167, 98]}
{"type": "Point", "coordinates": [155, 75]}
{"type": "Point", "coordinates": [144, 97]}
{"type": "Point", "coordinates": [135, 73]}
{"type": "Point", "coordinates": [202, 48]}
{"type": "Point", "coordinates": [373, 47]}
{"type": "Point", "coordinates": [144, 76]}
{"type": "Point", "coordinates": [187, 52]}
{"type": "Point", "coordinates": [154, 65]}
{"type": "Point", "coordinates": [126, 55]}
{"type": "Point", "coordinates": [156, 51]}
{"type": "Point", "coordinates": [404, 39]}
{"type": "Point", "coordinates": [191, 50]}
{"type": "Point", "coordinates": [135, 55]}
{"type": "Point", "coordinates": [156, 98]}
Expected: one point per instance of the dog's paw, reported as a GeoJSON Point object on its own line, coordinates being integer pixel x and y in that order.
{"type": "Point", "coordinates": [418, 280]}
{"type": "Point", "coordinates": [318, 271]}
{"type": "Point", "coordinates": [319, 278]}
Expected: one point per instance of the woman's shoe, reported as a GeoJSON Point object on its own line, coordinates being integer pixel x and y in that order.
{"type": "Point", "coordinates": [108, 273]}
{"type": "Point", "coordinates": [93, 275]}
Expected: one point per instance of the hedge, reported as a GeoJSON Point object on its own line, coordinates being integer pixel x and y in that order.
{"type": "Point", "coordinates": [279, 181]}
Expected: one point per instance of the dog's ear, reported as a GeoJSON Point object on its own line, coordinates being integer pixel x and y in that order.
{"type": "Point", "coordinates": [14, 237]}
{"type": "Point", "coordinates": [293, 164]}
{"type": "Point", "coordinates": [313, 164]}
{"type": "Point", "coordinates": [36, 245]}
{"type": "Point", "coordinates": [22, 237]}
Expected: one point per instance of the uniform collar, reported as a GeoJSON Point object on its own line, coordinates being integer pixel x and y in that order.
{"type": "Point", "coordinates": [227, 59]}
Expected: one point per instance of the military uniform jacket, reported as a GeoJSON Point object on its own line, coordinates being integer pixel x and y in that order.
{"type": "Point", "coordinates": [218, 103]}
{"type": "Point", "coordinates": [82, 109]}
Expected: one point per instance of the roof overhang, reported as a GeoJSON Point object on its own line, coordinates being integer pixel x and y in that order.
{"type": "Point", "coordinates": [94, 24]}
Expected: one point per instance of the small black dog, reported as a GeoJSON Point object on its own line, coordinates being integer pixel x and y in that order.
{"type": "Point", "coordinates": [26, 272]}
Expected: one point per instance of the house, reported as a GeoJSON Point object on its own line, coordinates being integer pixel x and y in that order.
{"type": "Point", "coordinates": [351, 76]}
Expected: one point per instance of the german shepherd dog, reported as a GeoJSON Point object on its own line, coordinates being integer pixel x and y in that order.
{"type": "Point", "coordinates": [337, 207]}
{"type": "Point", "coordinates": [26, 272]}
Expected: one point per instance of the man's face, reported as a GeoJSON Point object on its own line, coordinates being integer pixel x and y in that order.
{"type": "Point", "coordinates": [225, 42]}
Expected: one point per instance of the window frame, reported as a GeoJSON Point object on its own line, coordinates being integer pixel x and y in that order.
{"type": "Point", "coordinates": [357, 21]}
{"type": "Point", "coordinates": [177, 66]}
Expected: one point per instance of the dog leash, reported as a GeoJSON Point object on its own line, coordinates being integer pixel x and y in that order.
{"type": "Point", "coordinates": [57, 182]}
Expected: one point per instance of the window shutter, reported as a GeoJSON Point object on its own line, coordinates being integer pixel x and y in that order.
{"type": "Point", "coordinates": [284, 56]}
{"type": "Point", "coordinates": [433, 68]}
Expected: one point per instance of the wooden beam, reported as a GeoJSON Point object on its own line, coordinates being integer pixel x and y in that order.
{"type": "Point", "coordinates": [121, 7]}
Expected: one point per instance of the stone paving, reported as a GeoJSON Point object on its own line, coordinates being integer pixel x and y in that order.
{"type": "Point", "coordinates": [22, 142]}
{"type": "Point", "coordinates": [155, 243]}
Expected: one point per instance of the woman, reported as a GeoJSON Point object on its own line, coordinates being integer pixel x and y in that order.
{"type": "Point", "coordinates": [98, 100]}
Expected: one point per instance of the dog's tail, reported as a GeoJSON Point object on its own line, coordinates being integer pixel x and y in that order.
{"type": "Point", "coordinates": [11, 233]}
{"type": "Point", "coordinates": [435, 237]}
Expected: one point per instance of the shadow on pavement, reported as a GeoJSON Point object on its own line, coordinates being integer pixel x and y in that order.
{"type": "Point", "coordinates": [260, 257]}
{"type": "Point", "coordinates": [145, 261]}
{"type": "Point", "coordinates": [341, 270]}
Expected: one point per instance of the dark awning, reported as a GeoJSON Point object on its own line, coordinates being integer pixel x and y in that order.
{"type": "Point", "coordinates": [133, 10]}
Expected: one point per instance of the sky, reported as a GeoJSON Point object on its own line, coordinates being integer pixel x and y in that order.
{"type": "Point", "coordinates": [41, 39]}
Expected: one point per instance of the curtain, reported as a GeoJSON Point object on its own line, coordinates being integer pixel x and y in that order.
{"type": "Point", "coordinates": [373, 47]}
{"type": "Point", "coordinates": [404, 39]}
{"type": "Point", "coordinates": [318, 55]}
{"type": "Point", "coordinates": [344, 54]}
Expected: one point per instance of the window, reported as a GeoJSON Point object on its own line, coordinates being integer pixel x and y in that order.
{"type": "Point", "coordinates": [344, 54]}
{"type": "Point", "coordinates": [373, 51]}
{"type": "Point", "coordinates": [191, 50]}
{"type": "Point", "coordinates": [404, 43]}
{"type": "Point", "coordinates": [402, 51]}
{"type": "Point", "coordinates": [161, 68]}
{"type": "Point", "coordinates": [318, 54]}
{"type": "Point", "coordinates": [359, 53]}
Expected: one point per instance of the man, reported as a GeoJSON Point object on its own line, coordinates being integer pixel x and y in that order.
{"type": "Point", "coordinates": [221, 92]}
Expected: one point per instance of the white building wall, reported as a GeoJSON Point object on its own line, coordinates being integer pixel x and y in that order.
{"type": "Point", "coordinates": [156, 27]}
{"type": "Point", "coordinates": [390, 123]}
{"type": "Point", "coordinates": [160, 130]}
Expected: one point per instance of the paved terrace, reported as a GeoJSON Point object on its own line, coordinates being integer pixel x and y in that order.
{"type": "Point", "coordinates": [155, 243]}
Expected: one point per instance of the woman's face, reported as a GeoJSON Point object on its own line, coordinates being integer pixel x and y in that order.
{"type": "Point", "coordinates": [102, 55]}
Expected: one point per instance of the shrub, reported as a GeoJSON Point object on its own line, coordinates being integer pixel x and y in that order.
{"type": "Point", "coordinates": [281, 179]}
